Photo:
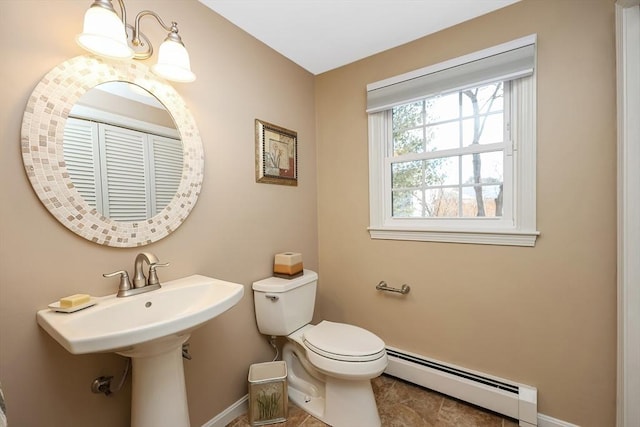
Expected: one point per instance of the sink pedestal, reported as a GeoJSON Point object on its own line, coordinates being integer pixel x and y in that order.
{"type": "Point", "coordinates": [159, 395]}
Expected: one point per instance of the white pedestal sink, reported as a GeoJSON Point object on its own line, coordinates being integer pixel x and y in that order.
{"type": "Point", "coordinates": [158, 395]}
{"type": "Point", "coordinates": [150, 328]}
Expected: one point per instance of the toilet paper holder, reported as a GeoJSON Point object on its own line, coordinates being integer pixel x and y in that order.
{"type": "Point", "coordinates": [382, 286]}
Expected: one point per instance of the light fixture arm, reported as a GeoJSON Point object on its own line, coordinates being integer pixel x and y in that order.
{"type": "Point", "coordinates": [102, 35]}
{"type": "Point", "coordinates": [123, 12]}
{"type": "Point", "coordinates": [173, 33]}
{"type": "Point", "coordinates": [173, 27]}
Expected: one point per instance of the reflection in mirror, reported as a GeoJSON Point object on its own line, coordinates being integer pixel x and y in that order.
{"type": "Point", "coordinates": [123, 151]}
{"type": "Point", "coordinates": [45, 153]}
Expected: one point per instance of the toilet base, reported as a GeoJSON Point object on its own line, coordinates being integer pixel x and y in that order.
{"type": "Point", "coordinates": [335, 401]}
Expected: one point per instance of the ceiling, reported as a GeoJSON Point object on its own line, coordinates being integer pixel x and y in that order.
{"type": "Point", "coordinates": [320, 35]}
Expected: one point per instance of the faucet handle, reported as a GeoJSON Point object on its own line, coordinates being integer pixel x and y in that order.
{"type": "Point", "coordinates": [153, 276]}
{"type": "Point", "coordinates": [125, 284]}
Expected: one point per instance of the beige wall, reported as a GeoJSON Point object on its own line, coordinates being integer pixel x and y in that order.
{"type": "Point", "coordinates": [232, 234]}
{"type": "Point", "coordinates": [544, 316]}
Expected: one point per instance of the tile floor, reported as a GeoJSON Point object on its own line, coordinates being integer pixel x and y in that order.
{"type": "Point", "coordinates": [402, 404]}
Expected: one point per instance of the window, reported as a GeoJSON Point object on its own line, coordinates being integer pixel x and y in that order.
{"type": "Point", "coordinates": [452, 150]}
{"type": "Point", "coordinates": [447, 156]}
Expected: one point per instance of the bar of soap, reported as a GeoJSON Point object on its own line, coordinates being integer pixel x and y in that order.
{"type": "Point", "coordinates": [74, 300]}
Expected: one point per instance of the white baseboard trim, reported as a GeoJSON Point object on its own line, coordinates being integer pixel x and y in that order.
{"type": "Point", "coordinates": [231, 413]}
{"type": "Point", "coordinates": [547, 421]}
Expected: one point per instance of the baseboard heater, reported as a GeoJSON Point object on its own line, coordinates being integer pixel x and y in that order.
{"type": "Point", "coordinates": [518, 401]}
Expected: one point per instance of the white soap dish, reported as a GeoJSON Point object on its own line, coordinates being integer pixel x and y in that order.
{"type": "Point", "coordinates": [55, 306]}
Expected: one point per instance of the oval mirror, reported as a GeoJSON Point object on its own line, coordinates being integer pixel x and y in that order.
{"type": "Point", "coordinates": [112, 151]}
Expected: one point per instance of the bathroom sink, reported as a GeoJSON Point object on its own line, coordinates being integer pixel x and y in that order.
{"type": "Point", "coordinates": [121, 324]}
{"type": "Point", "coordinates": [151, 329]}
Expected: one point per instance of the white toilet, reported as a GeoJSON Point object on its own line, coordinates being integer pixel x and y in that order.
{"type": "Point", "coordinates": [330, 365]}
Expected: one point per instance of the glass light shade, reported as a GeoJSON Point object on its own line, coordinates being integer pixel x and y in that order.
{"type": "Point", "coordinates": [104, 34]}
{"type": "Point", "coordinates": [173, 62]}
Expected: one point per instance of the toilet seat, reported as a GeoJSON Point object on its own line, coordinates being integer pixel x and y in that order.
{"type": "Point", "coordinates": [343, 342]}
{"type": "Point", "coordinates": [340, 341]}
{"type": "Point", "coordinates": [342, 351]}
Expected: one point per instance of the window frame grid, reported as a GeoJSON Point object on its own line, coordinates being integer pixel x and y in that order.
{"type": "Point", "coordinates": [518, 179]}
{"type": "Point", "coordinates": [506, 147]}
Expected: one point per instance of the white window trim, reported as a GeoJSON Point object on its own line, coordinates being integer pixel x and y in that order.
{"type": "Point", "coordinates": [520, 232]}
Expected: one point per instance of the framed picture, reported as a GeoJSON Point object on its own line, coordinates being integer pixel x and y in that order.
{"type": "Point", "coordinates": [276, 154]}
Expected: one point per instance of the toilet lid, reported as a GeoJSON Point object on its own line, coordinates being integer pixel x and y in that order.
{"type": "Point", "coordinates": [343, 342]}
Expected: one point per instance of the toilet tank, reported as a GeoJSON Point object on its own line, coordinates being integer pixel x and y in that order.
{"type": "Point", "coordinates": [284, 305]}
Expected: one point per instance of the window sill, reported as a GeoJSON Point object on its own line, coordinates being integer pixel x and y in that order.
{"type": "Point", "coordinates": [484, 237]}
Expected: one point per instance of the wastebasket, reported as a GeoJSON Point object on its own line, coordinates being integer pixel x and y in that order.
{"type": "Point", "coordinates": [268, 400]}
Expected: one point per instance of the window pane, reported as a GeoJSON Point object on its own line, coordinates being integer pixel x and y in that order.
{"type": "Point", "coordinates": [443, 171]}
{"type": "Point", "coordinates": [482, 201]}
{"type": "Point", "coordinates": [483, 99]}
{"type": "Point", "coordinates": [406, 174]}
{"type": "Point", "coordinates": [443, 136]}
{"type": "Point", "coordinates": [455, 186]}
{"type": "Point", "coordinates": [406, 142]}
{"type": "Point", "coordinates": [441, 202]}
{"type": "Point", "coordinates": [491, 97]}
{"type": "Point", "coordinates": [441, 108]}
{"type": "Point", "coordinates": [484, 168]}
{"type": "Point", "coordinates": [407, 204]}
{"type": "Point", "coordinates": [407, 116]}
{"type": "Point", "coordinates": [483, 129]}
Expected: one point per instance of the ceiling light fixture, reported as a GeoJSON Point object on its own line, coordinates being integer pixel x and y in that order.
{"type": "Point", "coordinates": [107, 34]}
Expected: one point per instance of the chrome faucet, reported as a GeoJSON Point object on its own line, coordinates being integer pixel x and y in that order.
{"type": "Point", "coordinates": [140, 282]}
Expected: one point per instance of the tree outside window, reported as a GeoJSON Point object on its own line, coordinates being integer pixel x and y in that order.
{"type": "Point", "coordinates": [447, 155]}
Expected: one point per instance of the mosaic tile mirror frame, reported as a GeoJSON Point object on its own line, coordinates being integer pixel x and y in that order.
{"type": "Point", "coordinates": [42, 151]}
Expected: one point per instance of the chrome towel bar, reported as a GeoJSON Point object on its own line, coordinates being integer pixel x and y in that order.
{"type": "Point", "coordinates": [382, 286]}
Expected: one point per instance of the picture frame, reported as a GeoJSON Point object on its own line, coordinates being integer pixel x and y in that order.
{"type": "Point", "coordinates": [276, 154]}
